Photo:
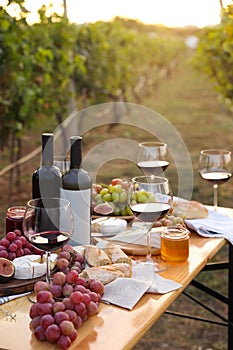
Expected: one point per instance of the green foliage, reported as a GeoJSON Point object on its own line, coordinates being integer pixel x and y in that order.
{"type": "Point", "coordinates": [215, 55]}
{"type": "Point", "coordinates": [104, 61]}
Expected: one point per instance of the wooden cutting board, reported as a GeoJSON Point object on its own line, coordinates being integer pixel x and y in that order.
{"type": "Point", "coordinates": [130, 248]}
{"type": "Point", "coordinates": [136, 249]}
{"type": "Point", "coordinates": [16, 286]}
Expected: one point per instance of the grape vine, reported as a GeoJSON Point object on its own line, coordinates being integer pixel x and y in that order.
{"type": "Point", "coordinates": [46, 66]}
{"type": "Point", "coordinates": [214, 55]}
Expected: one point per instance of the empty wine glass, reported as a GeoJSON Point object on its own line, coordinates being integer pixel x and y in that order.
{"type": "Point", "coordinates": [152, 157]}
{"type": "Point", "coordinates": [48, 225]}
{"type": "Point", "coordinates": [215, 167]}
{"type": "Point", "coordinates": [63, 163]}
{"type": "Point", "coordinates": [150, 199]}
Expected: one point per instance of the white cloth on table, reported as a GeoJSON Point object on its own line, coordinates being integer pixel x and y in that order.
{"type": "Point", "coordinates": [126, 292]}
{"type": "Point", "coordinates": [215, 225]}
{"type": "Point", "coordinates": [5, 299]}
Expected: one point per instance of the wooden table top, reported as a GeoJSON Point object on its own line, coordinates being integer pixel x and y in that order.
{"type": "Point", "coordinates": [114, 327]}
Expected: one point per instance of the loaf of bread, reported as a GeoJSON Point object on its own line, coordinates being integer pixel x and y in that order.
{"type": "Point", "coordinates": [189, 209]}
{"type": "Point", "coordinates": [95, 256]}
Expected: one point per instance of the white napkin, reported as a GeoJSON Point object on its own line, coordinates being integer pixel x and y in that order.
{"type": "Point", "coordinates": [126, 292]}
{"type": "Point", "coordinates": [215, 225]}
{"type": "Point", "coordinates": [159, 284]}
{"type": "Point", "coordinates": [5, 299]}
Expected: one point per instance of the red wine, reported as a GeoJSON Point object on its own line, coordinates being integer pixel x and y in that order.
{"type": "Point", "coordinates": [150, 212]}
{"type": "Point", "coordinates": [76, 188]}
{"type": "Point", "coordinates": [216, 178]}
{"type": "Point", "coordinates": [153, 167]}
{"type": "Point", "coordinates": [46, 180]}
{"type": "Point", "coordinates": [49, 240]}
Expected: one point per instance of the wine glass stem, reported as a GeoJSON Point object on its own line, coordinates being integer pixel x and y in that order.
{"type": "Point", "coordinates": [148, 238]}
{"type": "Point", "coordinates": [48, 267]}
{"type": "Point", "coordinates": [215, 196]}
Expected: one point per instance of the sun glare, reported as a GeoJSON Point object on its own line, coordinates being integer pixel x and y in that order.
{"type": "Point", "coordinates": [167, 12]}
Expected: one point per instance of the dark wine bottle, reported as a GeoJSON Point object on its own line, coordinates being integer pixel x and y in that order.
{"type": "Point", "coordinates": [46, 180]}
{"type": "Point", "coordinates": [76, 188]}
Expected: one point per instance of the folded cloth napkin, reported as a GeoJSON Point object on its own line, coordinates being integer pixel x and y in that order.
{"type": "Point", "coordinates": [5, 299]}
{"type": "Point", "coordinates": [126, 292]}
{"type": "Point", "coordinates": [215, 225]}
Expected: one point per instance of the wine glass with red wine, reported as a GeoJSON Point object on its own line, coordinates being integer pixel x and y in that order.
{"type": "Point", "coordinates": [215, 168]}
{"type": "Point", "coordinates": [152, 158]}
{"type": "Point", "coordinates": [48, 225]}
{"type": "Point", "coordinates": [150, 199]}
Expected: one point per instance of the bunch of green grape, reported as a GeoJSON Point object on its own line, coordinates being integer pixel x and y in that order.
{"type": "Point", "coordinates": [142, 196]}
{"type": "Point", "coordinates": [115, 194]}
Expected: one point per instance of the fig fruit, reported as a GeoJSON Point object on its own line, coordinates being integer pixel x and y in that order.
{"type": "Point", "coordinates": [7, 269]}
{"type": "Point", "coordinates": [103, 209]}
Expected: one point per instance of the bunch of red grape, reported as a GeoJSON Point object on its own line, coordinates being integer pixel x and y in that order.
{"type": "Point", "coordinates": [63, 306]}
{"type": "Point", "coordinates": [14, 244]}
{"type": "Point", "coordinates": [68, 259]}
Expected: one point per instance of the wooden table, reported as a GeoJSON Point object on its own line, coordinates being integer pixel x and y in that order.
{"type": "Point", "coordinates": [114, 327]}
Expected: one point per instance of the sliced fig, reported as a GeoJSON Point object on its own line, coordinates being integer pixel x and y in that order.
{"type": "Point", "coordinates": [103, 209]}
{"type": "Point", "coordinates": [7, 269]}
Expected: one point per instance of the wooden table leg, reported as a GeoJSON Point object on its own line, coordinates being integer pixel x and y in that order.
{"type": "Point", "coordinates": [230, 297]}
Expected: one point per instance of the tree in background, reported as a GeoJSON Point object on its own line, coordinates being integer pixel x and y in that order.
{"type": "Point", "coordinates": [215, 55]}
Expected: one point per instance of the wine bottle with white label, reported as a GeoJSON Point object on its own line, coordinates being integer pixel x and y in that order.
{"type": "Point", "coordinates": [76, 188]}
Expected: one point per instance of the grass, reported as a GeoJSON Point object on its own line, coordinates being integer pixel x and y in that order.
{"type": "Point", "coordinates": [187, 100]}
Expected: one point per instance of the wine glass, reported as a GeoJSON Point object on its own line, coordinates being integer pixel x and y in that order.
{"type": "Point", "coordinates": [215, 167]}
{"type": "Point", "coordinates": [48, 225]}
{"type": "Point", "coordinates": [152, 158]}
{"type": "Point", "coordinates": [63, 163]}
{"type": "Point", "coordinates": [150, 199]}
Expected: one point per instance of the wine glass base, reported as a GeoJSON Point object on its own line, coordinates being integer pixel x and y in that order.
{"type": "Point", "coordinates": [32, 298]}
{"type": "Point", "coordinates": [158, 264]}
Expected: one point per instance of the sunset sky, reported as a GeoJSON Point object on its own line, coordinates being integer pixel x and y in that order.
{"type": "Point", "coordinates": [167, 12]}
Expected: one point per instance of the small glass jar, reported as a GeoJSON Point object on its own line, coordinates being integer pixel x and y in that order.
{"type": "Point", "coordinates": [175, 244]}
{"type": "Point", "coordinates": [14, 218]}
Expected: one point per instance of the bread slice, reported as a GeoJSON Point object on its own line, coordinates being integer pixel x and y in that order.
{"type": "Point", "coordinates": [116, 254]}
{"type": "Point", "coordinates": [96, 256]}
{"type": "Point", "coordinates": [101, 275]}
{"type": "Point", "coordinates": [125, 268]}
{"type": "Point", "coordinates": [189, 209]}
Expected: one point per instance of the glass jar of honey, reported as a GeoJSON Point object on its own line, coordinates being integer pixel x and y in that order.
{"type": "Point", "coordinates": [175, 244]}
{"type": "Point", "coordinates": [14, 218]}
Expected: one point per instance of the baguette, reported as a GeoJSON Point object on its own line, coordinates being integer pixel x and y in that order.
{"type": "Point", "coordinates": [95, 256]}
{"type": "Point", "coordinates": [189, 210]}
{"type": "Point", "coordinates": [116, 254]}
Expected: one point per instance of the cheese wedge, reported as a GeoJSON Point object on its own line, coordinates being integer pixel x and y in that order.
{"type": "Point", "coordinates": [31, 266]}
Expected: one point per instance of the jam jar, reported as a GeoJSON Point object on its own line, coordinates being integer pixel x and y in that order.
{"type": "Point", "coordinates": [14, 218]}
{"type": "Point", "coordinates": [175, 244]}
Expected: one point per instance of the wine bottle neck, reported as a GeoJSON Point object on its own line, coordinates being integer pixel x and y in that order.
{"type": "Point", "coordinates": [75, 152]}
{"type": "Point", "coordinates": [47, 149]}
